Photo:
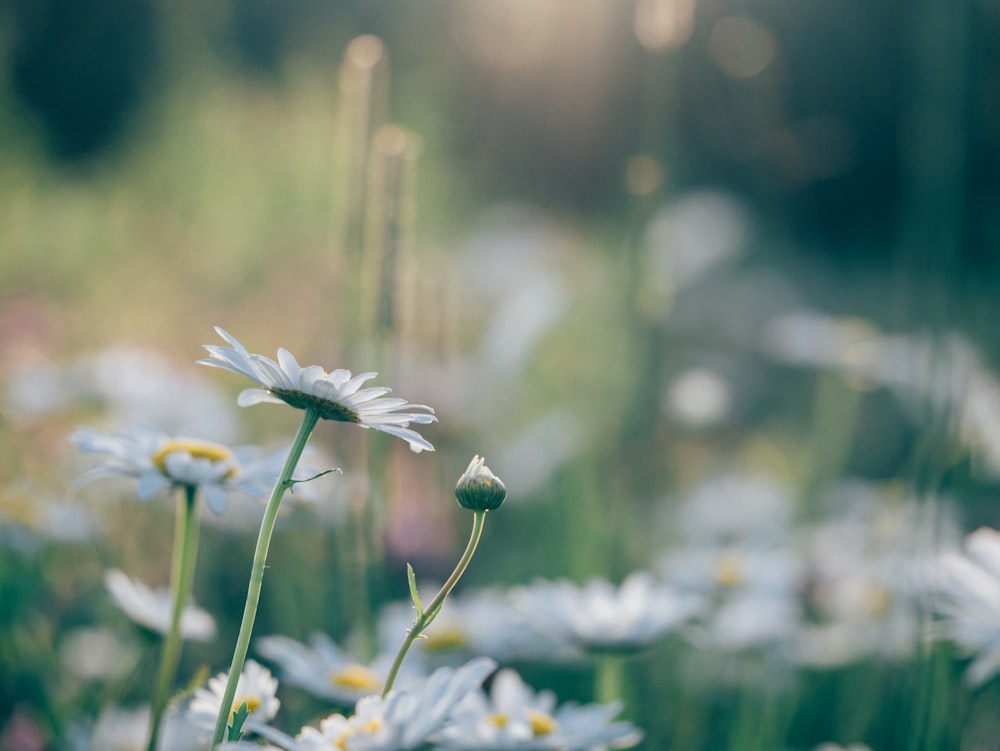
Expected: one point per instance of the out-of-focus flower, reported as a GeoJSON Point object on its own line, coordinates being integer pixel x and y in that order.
{"type": "Point", "coordinates": [405, 719]}
{"type": "Point", "coordinates": [869, 566]}
{"type": "Point", "coordinates": [513, 716]}
{"type": "Point", "coordinates": [698, 397]}
{"type": "Point", "coordinates": [159, 463]}
{"type": "Point", "coordinates": [96, 654]}
{"type": "Point", "coordinates": [324, 669]}
{"type": "Point", "coordinates": [133, 386]}
{"type": "Point", "coordinates": [969, 599]}
{"type": "Point", "coordinates": [537, 453]}
{"type": "Point", "coordinates": [152, 608]}
{"type": "Point", "coordinates": [256, 688]}
{"type": "Point", "coordinates": [737, 508]}
{"type": "Point", "coordinates": [600, 617]}
{"type": "Point", "coordinates": [335, 395]}
{"type": "Point", "coordinates": [27, 517]}
{"type": "Point", "coordinates": [684, 241]}
{"type": "Point", "coordinates": [736, 556]}
{"type": "Point", "coordinates": [122, 729]}
{"type": "Point", "coordinates": [477, 622]}
{"type": "Point", "coordinates": [754, 592]}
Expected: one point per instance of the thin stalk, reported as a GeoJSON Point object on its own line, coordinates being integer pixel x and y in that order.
{"type": "Point", "coordinates": [309, 418]}
{"type": "Point", "coordinates": [182, 565]}
{"type": "Point", "coordinates": [425, 617]}
{"type": "Point", "coordinates": [609, 679]}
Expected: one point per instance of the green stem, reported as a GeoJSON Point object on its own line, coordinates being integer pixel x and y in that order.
{"type": "Point", "coordinates": [424, 618]}
{"type": "Point", "coordinates": [309, 418]}
{"type": "Point", "coordinates": [610, 679]}
{"type": "Point", "coordinates": [181, 577]}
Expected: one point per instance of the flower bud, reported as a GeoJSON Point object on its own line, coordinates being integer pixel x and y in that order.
{"type": "Point", "coordinates": [478, 489]}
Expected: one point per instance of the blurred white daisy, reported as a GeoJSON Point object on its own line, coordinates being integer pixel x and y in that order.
{"type": "Point", "coordinates": [754, 592]}
{"type": "Point", "coordinates": [601, 617]}
{"type": "Point", "coordinates": [130, 386]}
{"type": "Point", "coordinates": [869, 566]}
{"type": "Point", "coordinates": [473, 622]}
{"type": "Point", "coordinates": [405, 719]}
{"type": "Point", "coordinates": [122, 729]}
{"type": "Point", "coordinates": [160, 462]}
{"type": "Point", "coordinates": [256, 688]}
{"type": "Point", "coordinates": [735, 553]}
{"type": "Point", "coordinates": [153, 608]}
{"type": "Point", "coordinates": [96, 653]}
{"type": "Point", "coordinates": [323, 669]}
{"type": "Point", "coordinates": [513, 716]}
{"type": "Point", "coordinates": [336, 395]}
{"type": "Point", "coordinates": [969, 600]}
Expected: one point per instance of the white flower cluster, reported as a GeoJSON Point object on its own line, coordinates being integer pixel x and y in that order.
{"type": "Point", "coordinates": [447, 709]}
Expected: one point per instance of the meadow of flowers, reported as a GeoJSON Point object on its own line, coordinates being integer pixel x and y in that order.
{"type": "Point", "coordinates": [528, 481]}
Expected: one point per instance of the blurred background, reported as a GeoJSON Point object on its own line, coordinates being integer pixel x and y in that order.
{"type": "Point", "coordinates": [623, 247]}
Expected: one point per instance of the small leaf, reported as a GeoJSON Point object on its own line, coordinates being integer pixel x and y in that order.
{"type": "Point", "coordinates": [290, 484]}
{"type": "Point", "coordinates": [235, 729]}
{"type": "Point", "coordinates": [414, 594]}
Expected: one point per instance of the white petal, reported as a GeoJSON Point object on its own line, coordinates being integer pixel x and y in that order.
{"type": "Point", "coordinates": [151, 484]}
{"type": "Point", "coordinates": [249, 397]}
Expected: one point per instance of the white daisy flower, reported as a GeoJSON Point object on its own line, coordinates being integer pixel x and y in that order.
{"type": "Point", "coordinates": [256, 688]}
{"type": "Point", "coordinates": [406, 719]}
{"type": "Point", "coordinates": [160, 462]}
{"type": "Point", "coordinates": [153, 608]}
{"type": "Point", "coordinates": [324, 669]}
{"type": "Point", "coordinates": [336, 395]}
{"type": "Point", "coordinates": [473, 622]}
{"type": "Point", "coordinates": [754, 592]}
{"type": "Point", "coordinates": [513, 716]}
{"type": "Point", "coordinates": [601, 617]}
{"type": "Point", "coordinates": [121, 729]}
{"type": "Point", "coordinates": [870, 565]}
{"type": "Point", "coordinates": [969, 593]}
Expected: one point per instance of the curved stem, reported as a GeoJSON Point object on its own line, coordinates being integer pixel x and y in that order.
{"type": "Point", "coordinates": [181, 578]}
{"type": "Point", "coordinates": [424, 619]}
{"type": "Point", "coordinates": [309, 418]}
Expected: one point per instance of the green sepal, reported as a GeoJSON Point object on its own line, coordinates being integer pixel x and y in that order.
{"type": "Point", "coordinates": [414, 594]}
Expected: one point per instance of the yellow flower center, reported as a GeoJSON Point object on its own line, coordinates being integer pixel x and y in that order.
{"type": "Point", "coordinates": [878, 600]}
{"type": "Point", "coordinates": [356, 677]}
{"type": "Point", "coordinates": [446, 640]}
{"type": "Point", "coordinates": [252, 702]}
{"type": "Point", "coordinates": [372, 726]}
{"type": "Point", "coordinates": [499, 719]}
{"type": "Point", "coordinates": [730, 571]}
{"type": "Point", "coordinates": [541, 723]}
{"type": "Point", "coordinates": [197, 449]}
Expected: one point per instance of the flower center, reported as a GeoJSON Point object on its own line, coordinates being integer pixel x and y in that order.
{"type": "Point", "coordinates": [878, 600]}
{"type": "Point", "coordinates": [541, 723]}
{"type": "Point", "coordinates": [252, 702]}
{"type": "Point", "coordinates": [197, 449]}
{"type": "Point", "coordinates": [499, 719]}
{"type": "Point", "coordinates": [730, 571]}
{"type": "Point", "coordinates": [326, 408]}
{"type": "Point", "coordinates": [372, 726]}
{"type": "Point", "coordinates": [355, 677]}
{"type": "Point", "coordinates": [446, 640]}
